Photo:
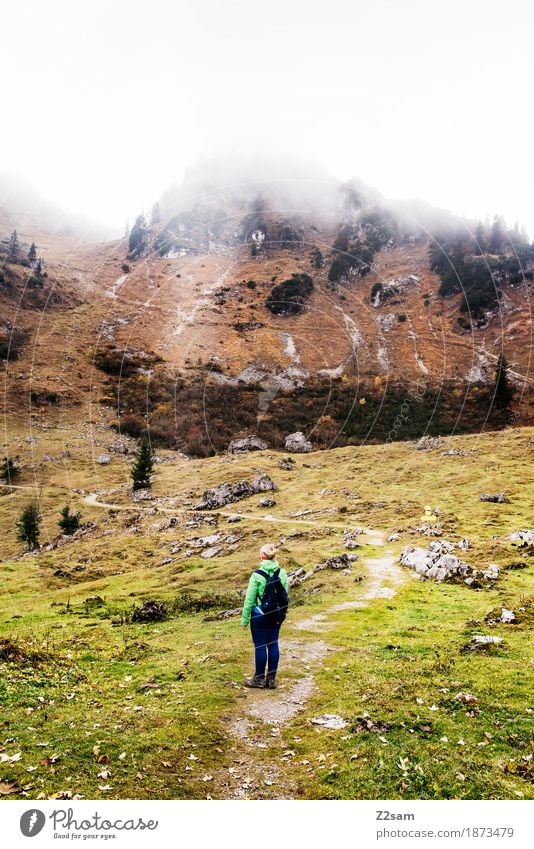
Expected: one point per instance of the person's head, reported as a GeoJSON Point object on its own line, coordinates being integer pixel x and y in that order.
{"type": "Point", "coordinates": [268, 551]}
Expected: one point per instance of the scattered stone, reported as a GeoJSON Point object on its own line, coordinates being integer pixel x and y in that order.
{"type": "Point", "coordinates": [60, 573]}
{"type": "Point", "coordinates": [48, 458]}
{"type": "Point", "coordinates": [103, 459]}
{"type": "Point", "coordinates": [522, 538]}
{"type": "Point", "coordinates": [350, 537]}
{"type": "Point", "coordinates": [503, 615]}
{"type": "Point", "coordinates": [204, 542]}
{"type": "Point", "coordinates": [365, 723]}
{"type": "Point", "coordinates": [120, 446]}
{"type": "Point", "coordinates": [248, 443]}
{"type": "Point", "coordinates": [31, 440]}
{"type": "Point", "coordinates": [142, 495]}
{"type": "Point", "coordinates": [491, 572]}
{"type": "Point", "coordinates": [266, 502]}
{"type": "Point", "coordinates": [296, 576]}
{"type": "Point", "coordinates": [213, 551]}
{"type": "Point", "coordinates": [464, 544]}
{"type": "Point", "coordinates": [434, 529]}
{"type": "Point", "coordinates": [94, 601]}
{"type": "Point", "coordinates": [150, 611]}
{"type": "Point", "coordinates": [439, 564]}
{"type": "Point", "coordinates": [166, 561]}
{"type": "Point", "coordinates": [224, 614]}
{"type": "Point", "coordinates": [393, 537]}
{"type": "Point", "coordinates": [234, 518]}
{"type": "Point", "coordinates": [330, 720]}
{"type": "Point", "coordinates": [496, 497]}
{"type": "Point", "coordinates": [297, 443]}
{"type": "Point", "coordinates": [340, 561]}
{"type": "Point", "coordinates": [483, 642]}
{"type": "Point", "coordinates": [454, 452]}
{"type": "Point", "coordinates": [428, 443]}
{"type": "Point", "coordinates": [466, 698]}
{"type": "Point", "coordinates": [287, 463]}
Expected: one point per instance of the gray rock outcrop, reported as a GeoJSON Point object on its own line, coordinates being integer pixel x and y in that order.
{"type": "Point", "coordinates": [438, 563]}
{"type": "Point", "coordinates": [297, 443]}
{"type": "Point", "coordinates": [246, 444]}
{"type": "Point", "coordinates": [495, 497]}
{"type": "Point", "coordinates": [227, 493]}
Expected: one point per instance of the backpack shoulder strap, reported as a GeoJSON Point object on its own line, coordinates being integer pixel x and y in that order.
{"type": "Point", "coordinates": [262, 573]}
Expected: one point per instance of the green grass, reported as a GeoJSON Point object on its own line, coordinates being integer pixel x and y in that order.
{"type": "Point", "coordinates": [86, 685]}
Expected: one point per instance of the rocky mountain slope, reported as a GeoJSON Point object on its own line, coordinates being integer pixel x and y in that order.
{"type": "Point", "coordinates": [274, 305]}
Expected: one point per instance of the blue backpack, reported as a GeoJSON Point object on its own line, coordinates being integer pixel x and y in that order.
{"type": "Point", "coordinates": [275, 599]}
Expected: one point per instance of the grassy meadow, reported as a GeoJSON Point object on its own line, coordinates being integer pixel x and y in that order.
{"type": "Point", "coordinates": [96, 705]}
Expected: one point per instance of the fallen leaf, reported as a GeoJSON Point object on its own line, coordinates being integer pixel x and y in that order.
{"type": "Point", "coordinates": [122, 756]}
{"type": "Point", "coordinates": [207, 778]}
{"type": "Point", "coordinates": [8, 787]}
{"type": "Point", "coordinates": [105, 787]}
{"type": "Point", "coordinates": [105, 773]}
{"type": "Point", "coordinates": [192, 757]}
{"type": "Point", "coordinates": [166, 764]}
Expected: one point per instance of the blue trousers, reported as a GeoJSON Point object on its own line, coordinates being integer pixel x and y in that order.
{"type": "Point", "coordinates": [266, 648]}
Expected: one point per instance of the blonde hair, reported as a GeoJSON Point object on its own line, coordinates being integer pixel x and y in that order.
{"type": "Point", "coordinates": [269, 550]}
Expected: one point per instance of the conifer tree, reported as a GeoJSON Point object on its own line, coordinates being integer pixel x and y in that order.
{"type": "Point", "coordinates": [8, 469]}
{"type": "Point", "coordinates": [32, 253]}
{"type": "Point", "coordinates": [142, 467]}
{"type": "Point", "coordinates": [498, 236]}
{"type": "Point", "coordinates": [503, 391]}
{"type": "Point", "coordinates": [69, 522]}
{"type": "Point", "coordinates": [28, 525]}
{"type": "Point", "coordinates": [13, 247]}
{"type": "Point", "coordinates": [137, 237]}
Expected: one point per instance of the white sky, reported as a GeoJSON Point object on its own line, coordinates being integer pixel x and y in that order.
{"type": "Point", "coordinates": [105, 104]}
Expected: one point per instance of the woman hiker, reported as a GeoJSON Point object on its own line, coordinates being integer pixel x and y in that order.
{"type": "Point", "coordinates": [265, 608]}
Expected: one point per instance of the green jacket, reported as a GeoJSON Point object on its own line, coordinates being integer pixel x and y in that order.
{"type": "Point", "coordinates": [256, 587]}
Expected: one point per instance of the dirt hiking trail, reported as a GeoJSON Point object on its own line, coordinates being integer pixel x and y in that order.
{"type": "Point", "coordinates": [264, 715]}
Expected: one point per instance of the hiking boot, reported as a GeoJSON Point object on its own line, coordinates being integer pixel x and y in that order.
{"type": "Point", "coordinates": [270, 682]}
{"type": "Point", "coordinates": [255, 681]}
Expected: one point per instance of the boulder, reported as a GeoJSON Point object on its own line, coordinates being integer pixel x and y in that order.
{"type": "Point", "coordinates": [227, 493]}
{"type": "Point", "coordinates": [522, 538]}
{"type": "Point", "coordinates": [340, 561]}
{"type": "Point", "coordinates": [213, 551]}
{"type": "Point", "coordinates": [103, 459]}
{"type": "Point", "coordinates": [94, 601]}
{"type": "Point", "coordinates": [297, 443]}
{"type": "Point", "coordinates": [495, 497]}
{"type": "Point", "coordinates": [266, 502]}
{"type": "Point", "coordinates": [287, 463]}
{"type": "Point", "coordinates": [263, 483]}
{"type": "Point", "coordinates": [248, 443]}
{"type": "Point", "coordinates": [150, 611]}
